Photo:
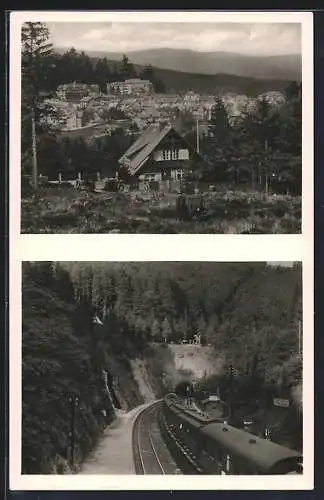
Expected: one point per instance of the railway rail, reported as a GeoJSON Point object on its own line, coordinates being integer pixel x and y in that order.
{"type": "Point", "coordinates": [150, 454]}
{"type": "Point", "coordinates": [169, 435]}
{"type": "Point", "coordinates": [212, 446]}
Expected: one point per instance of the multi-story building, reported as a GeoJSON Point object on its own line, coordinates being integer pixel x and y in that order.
{"type": "Point", "coordinates": [134, 86]}
{"type": "Point", "coordinates": [72, 91]}
{"type": "Point", "coordinates": [274, 98]}
{"type": "Point", "coordinates": [73, 120]}
{"type": "Point", "coordinates": [191, 98]}
{"type": "Point", "coordinates": [63, 118]}
{"type": "Point", "coordinates": [57, 119]}
{"type": "Point", "coordinates": [94, 88]}
{"type": "Point", "coordinates": [84, 102]}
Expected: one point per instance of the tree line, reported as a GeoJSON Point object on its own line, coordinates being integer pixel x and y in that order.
{"type": "Point", "coordinates": [69, 156]}
{"type": "Point", "coordinates": [77, 66]}
{"type": "Point", "coordinates": [261, 148]}
{"type": "Point", "coordinates": [172, 301]}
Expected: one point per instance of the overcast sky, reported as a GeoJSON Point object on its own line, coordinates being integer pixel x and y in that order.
{"type": "Point", "coordinates": [244, 38]}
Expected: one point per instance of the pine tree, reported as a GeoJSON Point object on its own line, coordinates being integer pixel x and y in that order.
{"type": "Point", "coordinates": [102, 74]}
{"type": "Point", "coordinates": [156, 330]}
{"type": "Point", "coordinates": [166, 329]}
{"type": "Point", "coordinates": [126, 68]}
{"type": "Point", "coordinates": [219, 124]}
{"type": "Point", "coordinates": [36, 52]}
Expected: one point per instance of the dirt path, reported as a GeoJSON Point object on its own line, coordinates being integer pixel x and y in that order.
{"type": "Point", "coordinates": [113, 454]}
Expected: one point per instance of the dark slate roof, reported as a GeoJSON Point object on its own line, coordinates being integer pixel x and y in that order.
{"type": "Point", "coordinates": [137, 154]}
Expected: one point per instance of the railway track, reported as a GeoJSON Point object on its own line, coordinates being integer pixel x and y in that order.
{"type": "Point", "coordinates": [150, 454]}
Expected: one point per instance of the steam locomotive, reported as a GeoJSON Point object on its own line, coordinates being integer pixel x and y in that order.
{"type": "Point", "coordinates": [207, 445]}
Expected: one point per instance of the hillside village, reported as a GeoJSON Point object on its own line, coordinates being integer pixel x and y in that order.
{"type": "Point", "coordinates": [78, 105]}
{"type": "Point", "coordinates": [116, 131]}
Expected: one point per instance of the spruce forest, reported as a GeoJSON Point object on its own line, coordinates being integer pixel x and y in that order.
{"type": "Point", "coordinates": [83, 319]}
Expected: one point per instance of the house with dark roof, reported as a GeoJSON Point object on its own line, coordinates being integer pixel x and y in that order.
{"type": "Point", "coordinates": [160, 154]}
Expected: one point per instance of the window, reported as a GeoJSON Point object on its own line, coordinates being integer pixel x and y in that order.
{"type": "Point", "coordinates": [150, 177]}
{"type": "Point", "coordinates": [166, 154]}
{"type": "Point", "coordinates": [175, 154]}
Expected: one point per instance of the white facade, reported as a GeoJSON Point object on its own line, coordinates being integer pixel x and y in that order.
{"type": "Point", "coordinates": [191, 98]}
{"type": "Point", "coordinates": [183, 154]}
{"type": "Point", "coordinates": [130, 87]}
{"type": "Point", "coordinates": [74, 90]}
{"type": "Point", "coordinates": [176, 174]}
{"type": "Point", "coordinates": [151, 177]}
{"type": "Point", "coordinates": [73, 122]}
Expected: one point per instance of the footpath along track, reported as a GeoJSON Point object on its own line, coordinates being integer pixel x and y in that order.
{"type": "Point", "coordinates": [149, 451]}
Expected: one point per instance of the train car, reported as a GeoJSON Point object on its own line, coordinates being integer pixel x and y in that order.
{"type": "Point", "coordinates": [214, 447]}
{"type": "Point", "coordinates": [184, 425]}
{"type": "Point", "coordinates": [239, 452]}
{"type": "Point", "coordinates": [216, 408]}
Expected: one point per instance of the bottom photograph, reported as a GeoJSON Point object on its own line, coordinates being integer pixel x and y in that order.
{"type": "Point", "coordinates": [162, 368]}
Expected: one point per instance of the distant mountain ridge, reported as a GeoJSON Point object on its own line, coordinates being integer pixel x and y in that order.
{"type": "Point", "coordinates": [277, 67]}
{"type": "Point", "coordinates": [179, 82]}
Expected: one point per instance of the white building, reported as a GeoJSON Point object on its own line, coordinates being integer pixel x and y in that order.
{"type": "Point", "coordinates": [76, 91]}
{"type": "Point", "coordinates": [73, 121]}
{"type": "Point", "coordinates": [133, 86]}
{"type": "Point", "coordinates": [191, 98]}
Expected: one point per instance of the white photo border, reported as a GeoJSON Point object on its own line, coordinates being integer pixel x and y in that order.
{"type": "Point", "coordinates": [225, 248]}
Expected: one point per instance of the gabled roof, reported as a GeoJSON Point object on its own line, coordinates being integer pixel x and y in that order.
{"type": "Point", "coordinates": [137, 154]}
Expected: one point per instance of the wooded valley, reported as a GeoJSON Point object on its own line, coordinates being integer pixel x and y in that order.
{"type": "Point", "coordinates": [82, 318]}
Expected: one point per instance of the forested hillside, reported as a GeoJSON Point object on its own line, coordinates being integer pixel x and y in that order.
{"type": "Point", "coordinates": [282, 67]}
{"type": "Point", "coordinates": [220, 83]}
{"type": "Point", "coordinates": [249, 312]}
{"type": "Point", "coordinates": [83, 319]}
{"type": "Point", "coordinates": [78, 66]}
{"type": "Point", "coordinates": [173, 299]}
{"type": "Point", "coordinates": [65, 354]}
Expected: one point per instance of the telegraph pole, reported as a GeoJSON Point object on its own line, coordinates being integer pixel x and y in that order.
{"type": "Point", "coordinates": [34, 149]}
{"type": "Point", "coordinates": [266, 147]}
{"type": "Point", "coordinates": [197, 131]}
{"type": "Point", "coordinates": [231, 394]}
{"type": "Point", "coordinates": [74, 401]}
{"type": "Point", "coordinates": [299, 339]}
{"type": "Point", "coordinates": [266, 182]}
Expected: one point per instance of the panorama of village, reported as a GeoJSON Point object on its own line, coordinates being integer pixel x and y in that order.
{"type": "Point", "coordinates": [110, 146]}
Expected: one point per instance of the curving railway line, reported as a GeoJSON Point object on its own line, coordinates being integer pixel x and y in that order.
{"type": "Point", "coordinates": [168, 435]}
{"type": "Point", "coordinates": [150, 453]}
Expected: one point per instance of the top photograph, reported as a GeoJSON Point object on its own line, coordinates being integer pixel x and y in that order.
{"type": "Point", "coordinates": [161, 127]}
